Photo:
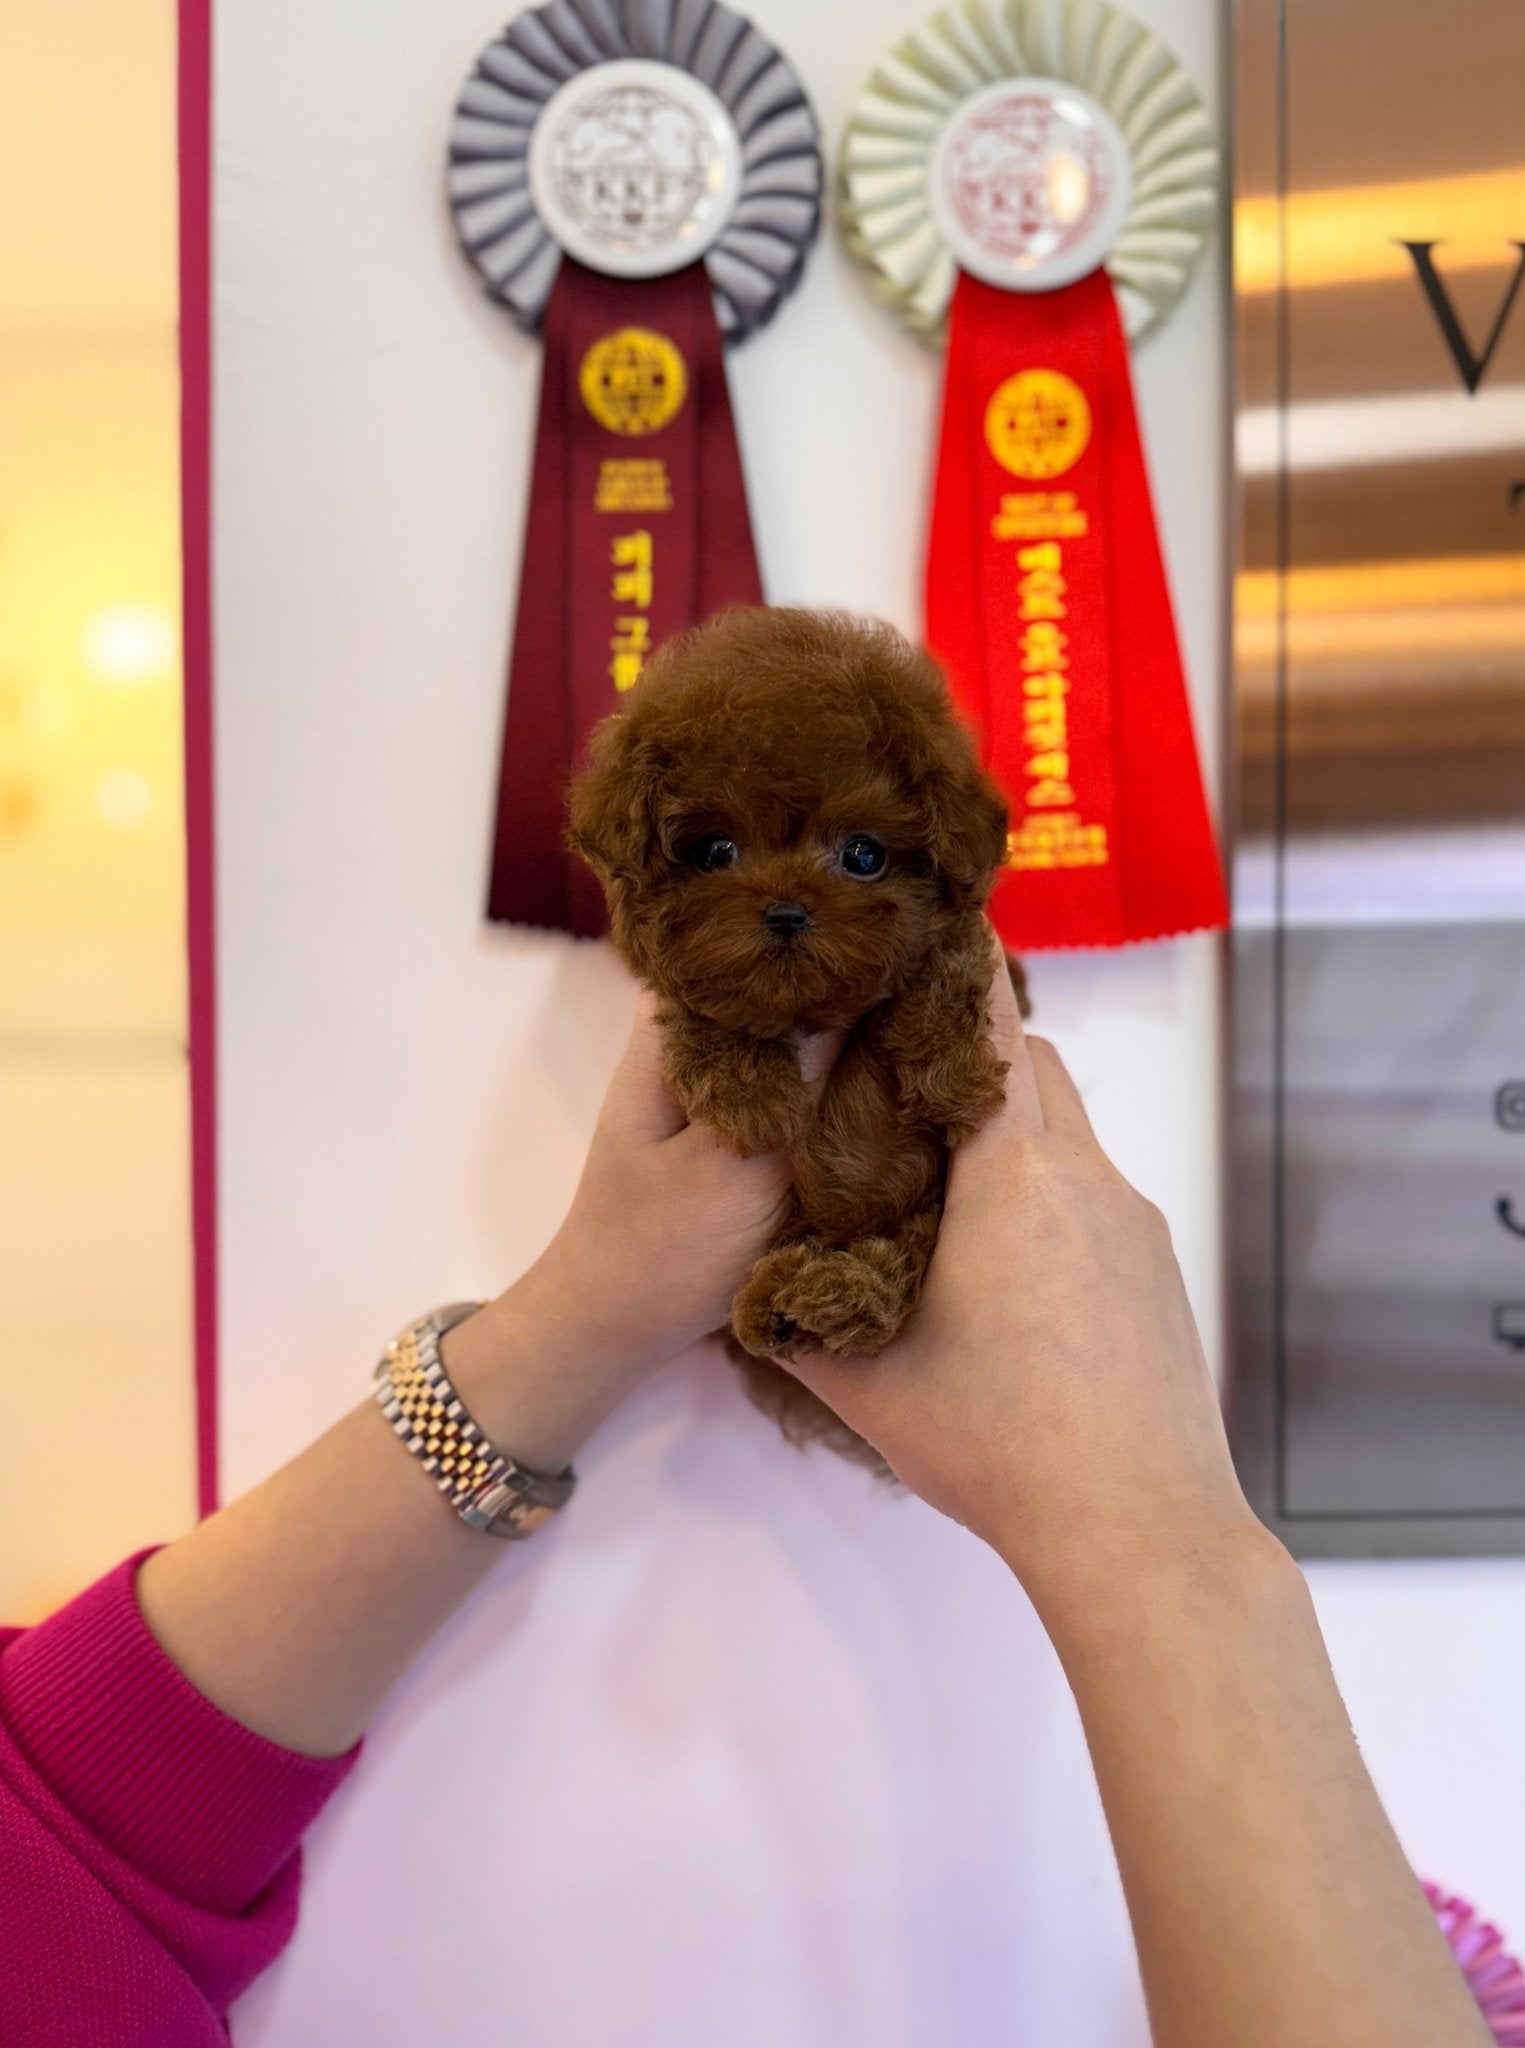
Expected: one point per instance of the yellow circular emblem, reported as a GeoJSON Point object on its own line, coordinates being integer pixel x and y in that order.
{"type": "Point", "coordinates": [1037, 424]}
{"type": "Point", "coordinates": [633, 381]}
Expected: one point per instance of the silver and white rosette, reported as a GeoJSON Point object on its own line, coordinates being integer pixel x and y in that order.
{"type": "Point", "coordinates": [637, 136]}
{"type": "Point", "coordinates": [1026, 141]}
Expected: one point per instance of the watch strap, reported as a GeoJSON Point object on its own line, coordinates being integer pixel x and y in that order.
{"type": "Point", "coordinates": [487, 1489]}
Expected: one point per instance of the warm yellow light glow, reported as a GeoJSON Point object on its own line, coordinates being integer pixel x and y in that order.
{"type": "Point", "coordinates": [1472, 604]}
{"type": "Point", "coordinates": [130, 643]}
{"type": "Point", "coordinates": [124, 797]}
{"type": "Point", "coordinates": [1351, 234]}
{"type": "Point", "coordinates": [1380, 586]}
{"type": "Point", "coordinates": [45, 712]}
{"type": "Point", "coordinates": [1392, 635]}
{"type": "Point", "coordinates": [98, 1453]}
{"type": "Point", "coordinates": [18, 806]}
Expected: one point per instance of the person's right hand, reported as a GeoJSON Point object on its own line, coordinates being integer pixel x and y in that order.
{"type": "Point", "coordinates": [1051, 1392]}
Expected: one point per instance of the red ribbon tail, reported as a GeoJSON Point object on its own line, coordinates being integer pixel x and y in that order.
{"type": "Point", "coordinates": [1046, 600]}
{"type": "Point", "coordinates": [1162, 801]}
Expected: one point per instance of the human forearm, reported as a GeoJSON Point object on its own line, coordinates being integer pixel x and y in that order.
{"type": "Point", "coordinates": [1053, 1396]}
{"type": "Point", "coordinates": [297, 1608]}
{"type": "Point", "coordinates": [1270, 1901]}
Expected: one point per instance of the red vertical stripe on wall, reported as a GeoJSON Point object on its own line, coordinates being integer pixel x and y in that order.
{"type": "Point", "coordinates": [195, 148]}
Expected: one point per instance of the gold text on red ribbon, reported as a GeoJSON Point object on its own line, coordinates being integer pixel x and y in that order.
{"type": "Point", "coordinates": [1051, 833]}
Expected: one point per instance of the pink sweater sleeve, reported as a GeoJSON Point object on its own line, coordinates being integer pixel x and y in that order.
{"type": "Point", "coordinates": [149, 1857]}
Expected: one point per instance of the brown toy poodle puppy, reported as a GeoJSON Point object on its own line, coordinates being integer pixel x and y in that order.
{"type": "Point", "coordinates": [794, 836]}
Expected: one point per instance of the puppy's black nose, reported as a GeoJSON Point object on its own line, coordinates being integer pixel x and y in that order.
{"type": "Point", "coordinates": [786, 920]}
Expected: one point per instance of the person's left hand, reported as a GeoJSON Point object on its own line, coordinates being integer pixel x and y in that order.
{"type": "Point", "coordinates": [664, 1227]}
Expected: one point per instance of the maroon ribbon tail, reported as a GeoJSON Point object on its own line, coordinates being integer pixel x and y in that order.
{"type": "Point", "coordinates": [637, 528]}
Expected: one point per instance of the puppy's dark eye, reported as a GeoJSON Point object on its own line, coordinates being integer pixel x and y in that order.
{"type": "Point", "coordinates": [862, 857]}
{"type": "Point", "coordinates": [711, 853]}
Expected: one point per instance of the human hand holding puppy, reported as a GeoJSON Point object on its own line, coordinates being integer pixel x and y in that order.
{"type": "Point", "coordinates": [1051, 1392]}
{"type": "Point", "coordinates": [665, 1225]}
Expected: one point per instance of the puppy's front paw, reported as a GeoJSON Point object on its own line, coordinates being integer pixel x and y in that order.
{"type": "Point", "coordinates": [749, 1093]}
{"type": "Point", "coordinates": [758, 1322]}
{"type": "Point", "coordinates": [806, 1297]}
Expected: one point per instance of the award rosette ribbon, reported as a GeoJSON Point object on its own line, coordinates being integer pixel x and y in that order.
{"type": "Point", "coordinates": [1037, 178]}
{"type": "Point", "coordinates": [638, 181]}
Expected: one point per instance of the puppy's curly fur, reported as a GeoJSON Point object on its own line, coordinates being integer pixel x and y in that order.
{"type": "Point", "coordinates": [794, 836]}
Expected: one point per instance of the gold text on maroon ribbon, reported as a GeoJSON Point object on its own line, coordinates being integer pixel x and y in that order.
{"type": "Point", "coordinates": [630, 586]}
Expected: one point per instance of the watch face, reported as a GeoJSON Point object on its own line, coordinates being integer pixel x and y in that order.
{"type": "Point", "coordinates": [1029, 184]}
{"type": "Point", "coordinates": [635, 167]}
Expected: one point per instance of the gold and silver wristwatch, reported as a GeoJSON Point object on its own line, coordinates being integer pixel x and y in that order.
{"type": "Point", "coordinates": [486, 1488]}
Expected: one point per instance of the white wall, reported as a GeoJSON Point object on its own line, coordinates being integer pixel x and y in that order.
{"type": "Point", "coordinates": [746, 1750]}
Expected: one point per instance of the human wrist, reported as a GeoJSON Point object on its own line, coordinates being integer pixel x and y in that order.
{"type": "Point", "coordinates": [1122, 1588]}
{"type": "Point", "coordinates": [536, 1372]}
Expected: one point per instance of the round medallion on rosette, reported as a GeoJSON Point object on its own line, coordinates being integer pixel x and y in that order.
{"type": "Point", "coordinates": [635, 167]}
{"type": "Point", "coordinates": [638, 182]}
{"type": "Point", "coordinates": [1032, 182]}
{"type": "Point", "coordinates": [1029, 184]}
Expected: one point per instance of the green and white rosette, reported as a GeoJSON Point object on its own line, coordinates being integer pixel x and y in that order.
{"type": "Point", "coordinates": [943, 165]}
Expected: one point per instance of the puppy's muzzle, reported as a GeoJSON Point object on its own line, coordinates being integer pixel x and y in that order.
{"type": "Point", "coordinates": [787, 921]}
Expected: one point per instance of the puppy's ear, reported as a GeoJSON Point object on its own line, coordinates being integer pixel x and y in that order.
{"type": "Point", "coordinates": [968, 823]}
{"type": "Point", "coordinates": [611, 818]}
